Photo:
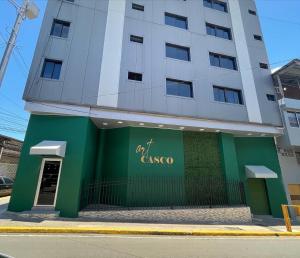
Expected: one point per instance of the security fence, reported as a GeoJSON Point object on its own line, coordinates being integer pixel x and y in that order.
{"type": "Point", "coordinates": [145, 192]}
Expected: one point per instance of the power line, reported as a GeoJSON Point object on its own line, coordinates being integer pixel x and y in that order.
{"type": "Point", "coordinates": [10, 100]}
{"type": "Point", "coordinates": [14, 118]}
{"type": "Point", "coordinates": [12, 122]}
{"type": "Point", "coordinates": [22, 69]}
{"type": "Point", "coordinates": [17, 48]}
{"type": "Point", "coordinates": [12, 113]}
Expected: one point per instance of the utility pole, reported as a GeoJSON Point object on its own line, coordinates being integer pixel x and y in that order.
{"type": "Point", "coordinates": [26, 10]}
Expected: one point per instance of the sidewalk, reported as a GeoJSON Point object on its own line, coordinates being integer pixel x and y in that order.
{"type": "Point", "coordinates": [49, 222]}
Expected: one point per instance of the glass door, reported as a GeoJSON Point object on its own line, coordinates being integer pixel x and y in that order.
{"type": "Point", "coordinates": [48, 182]}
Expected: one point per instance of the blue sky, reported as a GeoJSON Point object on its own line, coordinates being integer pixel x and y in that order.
{"type": "Point", "coordinates": [280, 21]}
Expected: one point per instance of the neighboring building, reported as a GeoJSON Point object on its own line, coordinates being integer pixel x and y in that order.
{"type": "Point", "coordinates": [287, 83]}
{"type": "Point", "coordinates": [129, 88]}
{"type": "Point", "coordinates": [9, 156]}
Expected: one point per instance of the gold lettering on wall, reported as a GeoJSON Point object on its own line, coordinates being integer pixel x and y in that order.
{"type": "Point", "coordinates": [146, 157]}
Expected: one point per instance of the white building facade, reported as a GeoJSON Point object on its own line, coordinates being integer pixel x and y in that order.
{"type": "Point", "coordinates": [197, 69]}
{"type": "Point", "coordinates": [287, 83]}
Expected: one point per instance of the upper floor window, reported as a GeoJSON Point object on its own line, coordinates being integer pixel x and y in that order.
{"type": "Point", "coordinates": [257, 37]}
{"type": "Point", "coordinates": [263, 66]}
{"type": "Point", "coordinates": [218, 31]}
{"type": "Point", "coordinates": [136, 39]}
{"type": "Point", "coordinates": [179, 88]}
{"type": "Point", "coordinates": [294, 119]}
{"type": "Point", "coordinates": [177, 52]}
{"type": "Point", "coordinates": [227, 95]}
{"type": "Point", "coordinates": [223, 61]}
{"type": "Point", "coordinates": [135, 76]}
{"type": "Point", "coordinates": [138, 7]}
{"type": "Point", "coordinates": [60, 28]}
{"type": "Point", "coordinates": [252, 12]}
{"type": "Point", "coordinates": [176, 21]}
{"type": "Point", "coordinates": [216, 4]}
{"type": "Point", "coordinates": [271, 97]}
{"type": "Point", "coordinates": [51, 69]}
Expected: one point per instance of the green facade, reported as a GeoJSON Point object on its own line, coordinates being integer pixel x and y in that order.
{"type": "Point", "coordinates": [261, 151]}
{"type": "Point", "coordinates": [77, 166]}
{"type": "Point", "coordinates": [121, 154]}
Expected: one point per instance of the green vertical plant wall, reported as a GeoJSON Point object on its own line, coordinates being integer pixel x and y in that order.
{"type": "Point", "coordinates": [201, 154]}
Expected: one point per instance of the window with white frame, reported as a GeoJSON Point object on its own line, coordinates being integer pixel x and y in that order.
{"type": "Point", "coordinates": [294, 119]}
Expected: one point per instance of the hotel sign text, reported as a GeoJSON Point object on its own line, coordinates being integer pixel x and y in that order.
{"type": "Point", "coordinates": [146, 157]}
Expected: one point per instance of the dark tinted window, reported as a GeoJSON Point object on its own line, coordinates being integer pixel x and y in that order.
{"type": "Point", "coordinates": [51, 69]}
{"type": "Point", "coordinates": [60, 28]}
{"type": "Point", "coordinates": [257, 37]}
{"type": "Point", "coordinates": [8, 180]}
{"type": "Point", "coordinates": [292, 116]}
{"type": "Point", "coordinates": [252, 12]}
{"type": "Point", "coordinates": [177, 52]}
{"type": "Point", "coordinates": [227, 95]}
{"type": "Point", "coordinates": [179, 88]}
{"type": "Point", "coordinates": [263, 66]}
{"type": "Point", "coordinates": [138, 7]}
{"type": "Point", "coordinates": [223, 61]}
{"type": "Point", "coordinates": [136, 39]}
{"type": "Point", "coordinates": [218, 31]}
{"type": "Point", "coordinates": [271, 97]}
{"type": "Point", "coordinates": [135, 76]}
{"type": "Point", "coordinates": [216, 4]}
{"type": "Point", "coordinates": [1, 181]}
{"type": "Point", "coordinates": [176, 21]}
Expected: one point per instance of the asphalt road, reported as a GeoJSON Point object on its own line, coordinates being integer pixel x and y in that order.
{"type": "Point", "coordinates": [43, 246]}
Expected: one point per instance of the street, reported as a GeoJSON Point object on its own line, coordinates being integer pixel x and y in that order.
{"type": "Point", "coordinates": [33, 246]}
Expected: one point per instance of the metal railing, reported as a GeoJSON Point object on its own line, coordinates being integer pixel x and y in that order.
{"type": "Point", "coordinates": [169, 191]}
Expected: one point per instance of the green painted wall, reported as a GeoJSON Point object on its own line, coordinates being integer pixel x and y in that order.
{"type": "Point", "coordinates": [229, 164]}
{"type": "Point", "coordinates": [81, 136]}
{"type": "Point", "coordinates": [115, 144]}
{"type": "Point", "coordinates": [90, 157]}
{"type": "Point", "coordinates": [262, 151]}
{"type": "Point", "coordinates": [229, 156]}
{"type": "Point", "coordinates": [100, 156]}
{"type": "Point", "coordinates": [115, 163]}
{"type": "Point", "coordinates": [165, 143]}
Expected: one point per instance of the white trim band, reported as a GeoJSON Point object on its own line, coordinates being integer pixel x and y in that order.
{"type": "Point", "coordinates": [245, 66]}
{"type": "Point", "coordinates": [112, 54]}
{"type": "Point", "coordinates": [134, 118]}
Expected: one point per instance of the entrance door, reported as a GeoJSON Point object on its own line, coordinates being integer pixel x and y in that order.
{"type": "Point", "coordinates": [48, 182]}
{"type": "Point", "coordinates": [259, 203]}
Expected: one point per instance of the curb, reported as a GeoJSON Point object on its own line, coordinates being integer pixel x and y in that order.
{"type": "Point", "coordinates": [143, 231]}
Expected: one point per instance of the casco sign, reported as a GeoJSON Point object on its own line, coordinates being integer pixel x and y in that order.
{"type": "Point", "coordinates": [146, 157]}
